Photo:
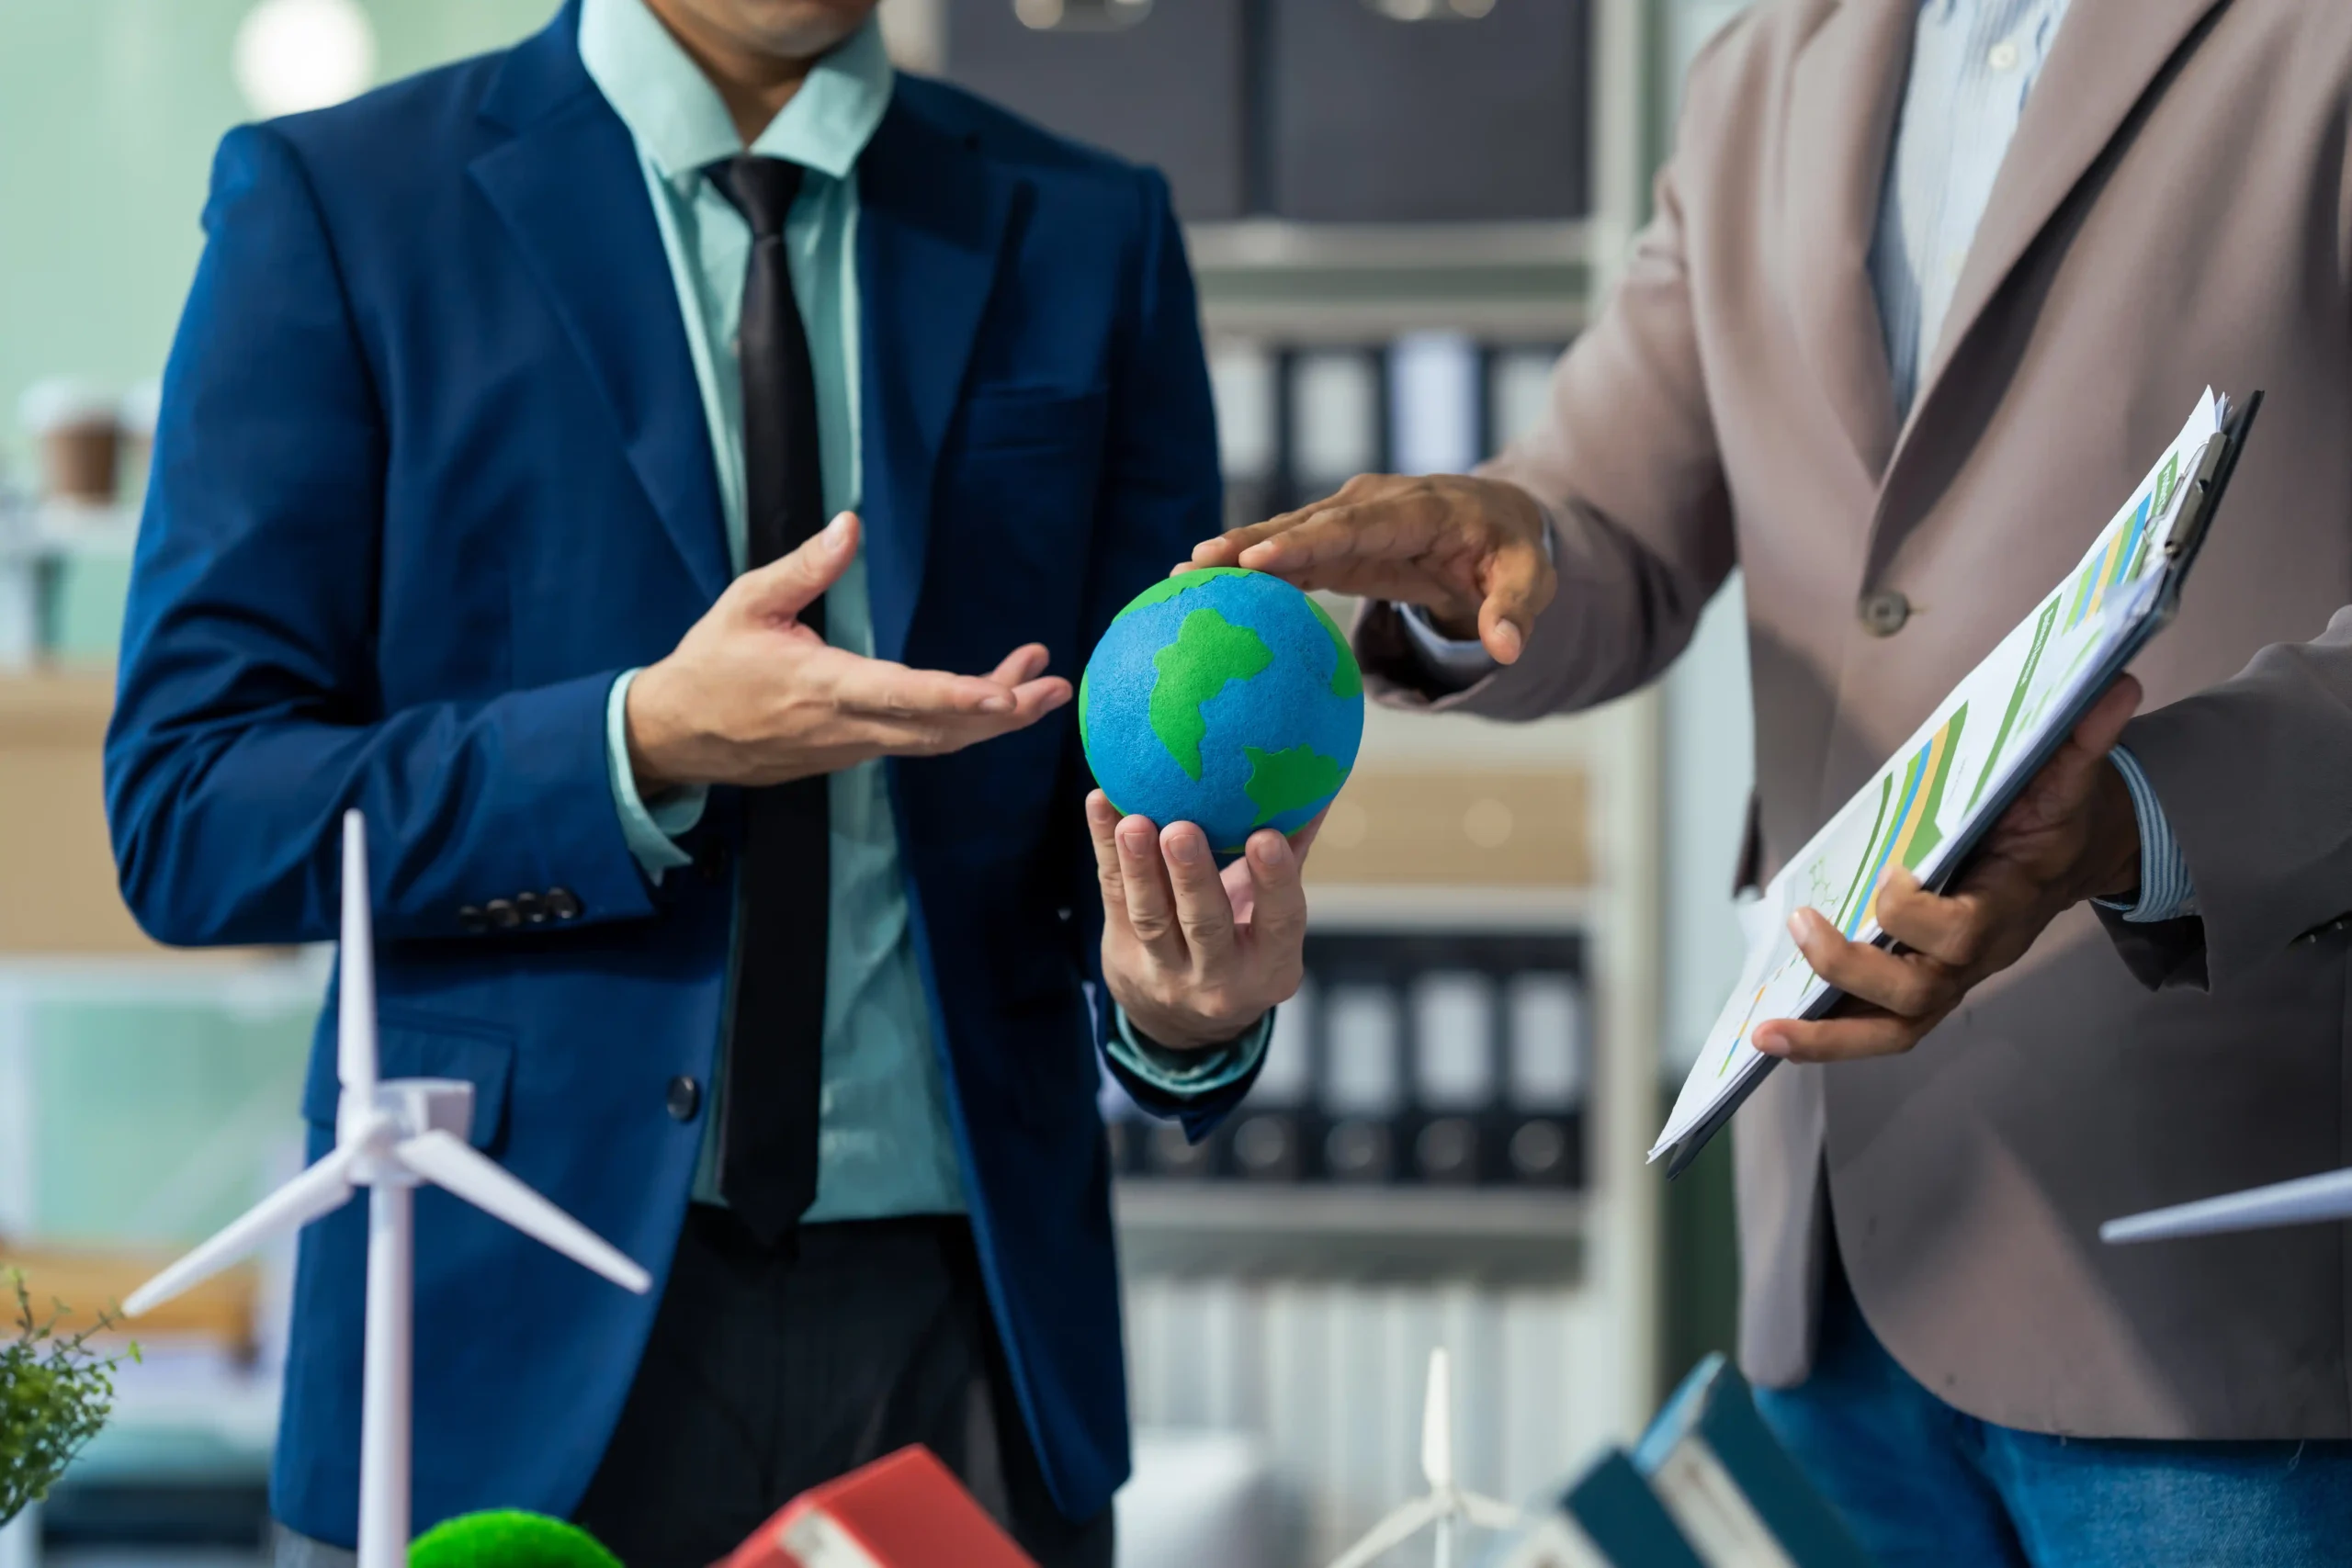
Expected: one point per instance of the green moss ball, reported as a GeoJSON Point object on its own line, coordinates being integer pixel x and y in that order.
{"type": "Point", "coordinates": [507, 1538]}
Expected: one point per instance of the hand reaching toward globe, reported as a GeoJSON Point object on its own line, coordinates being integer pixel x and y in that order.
{"type": "Point", "coordinates": [753, 696]}
{"type": "Point", "coordinates": [1197, 957]}
{"type": "Point", "coordinates": [1472, 551]}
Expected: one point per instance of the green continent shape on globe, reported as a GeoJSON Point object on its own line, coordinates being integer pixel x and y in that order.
{"type": "Point", "coordinates": [1284, 781]}
{"type": "Point", "coordinates": [1347, 679]}
{"type": "Point", "coordinates": [1167, 588]}
{"type": "Point", "coordinates": [1208, 651]}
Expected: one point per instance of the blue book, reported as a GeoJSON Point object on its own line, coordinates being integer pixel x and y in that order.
{"type": "Point", "coordinates": [1617, 1510]}
{"type": "Point", "coordinates": [1608, 1518]}
{"type": "Point", "coordinates": [1734, 1491]}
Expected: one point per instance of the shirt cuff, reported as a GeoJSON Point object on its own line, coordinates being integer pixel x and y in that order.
{"type": "Point", "coordinates": [651, 830]}
{"type": "Point", "coordinates": [2166, 891]}
{"type": "Point", "coordinates": [1188, 1074]}
{"type": "Point", "coordinates": [1453, 662]}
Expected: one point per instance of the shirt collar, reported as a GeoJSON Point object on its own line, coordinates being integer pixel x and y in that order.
{"type": "Point", "coordinates": [682, 125]}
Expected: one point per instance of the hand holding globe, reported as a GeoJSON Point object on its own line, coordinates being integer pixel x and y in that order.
{"type": "Point", "coordinates": [1221, 712]}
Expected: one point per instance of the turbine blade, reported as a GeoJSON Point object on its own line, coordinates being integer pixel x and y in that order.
{"type": "Point", "coordinates": [1489, 1515]}
{"type": "Point", "coordinates": [321, 1190]}
{"type": "Point", "coordinates": [1437, 1423]}
{"type": "Point", "coordinates": [450, 1163]}
{"type": "Point", "coordinates": [355, 995]}
{"type": "Point", "coordinates": [2307, 1199]}
{"type": "Point", "coordinates": [1391, 1532]}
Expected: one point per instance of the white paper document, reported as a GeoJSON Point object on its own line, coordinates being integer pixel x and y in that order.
{"type": "Point", "coordinates": [1930, 801]}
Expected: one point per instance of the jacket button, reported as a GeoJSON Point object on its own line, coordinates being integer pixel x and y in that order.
{"type": "Point", "coordinates": [532, 907]}
{"type": "Point", "coordinates": [471, 918]}
{"type": "Point", "coordinates": [563, 903]}
{"type": "Point", "coordinates": [501, 913]}
{"type": "Point", "coordinates": [1885, 612]}
{"type": "Point", "coordinates": [684, 1098]}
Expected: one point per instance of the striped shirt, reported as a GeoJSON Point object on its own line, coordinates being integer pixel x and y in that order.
{"type": "Point", "coordinates": [1973, 63]}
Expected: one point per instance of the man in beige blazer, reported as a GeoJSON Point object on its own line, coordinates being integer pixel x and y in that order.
{"type": "Point", "coordinates": [1928, 287]}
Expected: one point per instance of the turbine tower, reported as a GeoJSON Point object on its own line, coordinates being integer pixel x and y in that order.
{"type": "Point", "coordinates": [389, 1137]}
{"type": "Point", "coordinates": [1446, 1505]}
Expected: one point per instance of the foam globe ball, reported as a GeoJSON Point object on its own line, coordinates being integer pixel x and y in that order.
{"type": "Point", "coordinates": [508, 1538]}
{"type": "Point", "coordinates": [1225, 698]}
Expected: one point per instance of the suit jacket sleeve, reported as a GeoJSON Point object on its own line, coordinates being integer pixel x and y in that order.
{"type": "Point", "coordinates": [2253, 778]}
{"type": "Point", "coordinates": [1161, 493]}
{"type": "Point", "coordinates": [1624, 464]}
{"type": "Point", "coordinates": [250, 710]}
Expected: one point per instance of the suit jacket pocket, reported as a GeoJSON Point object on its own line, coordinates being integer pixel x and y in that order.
{"type": "Point", "coordinates": [425, 1045]}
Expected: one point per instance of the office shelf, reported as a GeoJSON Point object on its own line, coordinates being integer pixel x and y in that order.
{"type": "Point", "coordinates": [1370, 1233]}
{"type": "Point", "coordinates": [1308, 283]}
{"type": "Point", "coordinates": [1268, 244]}
{"type": "Point", "coordinates": [1344, 907]}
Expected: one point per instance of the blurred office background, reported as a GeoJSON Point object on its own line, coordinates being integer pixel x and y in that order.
{"type": "Point", "coordinates": [1400, 212]}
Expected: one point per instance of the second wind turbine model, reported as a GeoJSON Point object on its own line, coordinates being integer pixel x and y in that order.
{"type": "Point", "coordinates": [390, 1137]}
{"type": "Point", "coordinates": [1445, 1505]}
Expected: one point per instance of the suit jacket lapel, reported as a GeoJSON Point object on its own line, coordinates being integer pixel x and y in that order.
{"type": "Point", "coordinates": [1845, 91]}
{"type": "Point", "coordinates": [570, 188]}
{"type": "Point", "coordinates": [2107, 54]}
{"type": "Point", "coordinates": [932, 224]}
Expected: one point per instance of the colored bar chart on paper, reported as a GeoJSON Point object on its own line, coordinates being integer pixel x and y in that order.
{"type": "Point", "coordinates": [1943, 786]}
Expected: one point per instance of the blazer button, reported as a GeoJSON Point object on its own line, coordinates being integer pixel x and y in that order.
{"type": "Point", "coordinates": [532, 907]}
{"type": "Point", "coordinates": [472, 920]}
{"type": "Point", "coordinates": [1885, 612]}
{"type": "Point", "coordinates": [686, 1099]}
{"type": "Point", "coordinates": [501, 913]}
{"type": "Point", "coordinates": [563, 903]}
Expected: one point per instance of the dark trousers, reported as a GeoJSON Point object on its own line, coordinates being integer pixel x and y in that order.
{"type": "Point", "coordinates": [772, 1369]}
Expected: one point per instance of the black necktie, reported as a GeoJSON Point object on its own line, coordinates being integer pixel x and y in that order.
{"type": "Point", "coordinates": [775, 1038]}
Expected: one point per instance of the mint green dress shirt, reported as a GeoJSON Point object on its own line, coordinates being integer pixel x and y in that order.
{"type": "Point", "coordinates": [885, 1141]}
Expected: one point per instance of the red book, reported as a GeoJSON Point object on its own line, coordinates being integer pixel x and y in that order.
{"type": "Point", "coordinates": [905, 1510]}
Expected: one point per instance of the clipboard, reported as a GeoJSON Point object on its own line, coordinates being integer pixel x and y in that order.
{"type": "Point", "coordinates": [2152, 602]}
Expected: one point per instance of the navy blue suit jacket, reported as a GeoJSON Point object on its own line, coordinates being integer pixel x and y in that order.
{"type": "Point", "coordinates": [432, 471]}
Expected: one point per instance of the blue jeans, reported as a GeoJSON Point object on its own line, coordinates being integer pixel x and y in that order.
{"type": "Point", "coordinates": [1922, 1483]}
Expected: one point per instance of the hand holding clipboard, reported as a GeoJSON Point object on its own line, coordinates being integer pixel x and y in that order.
{"type": "Point", "coordinates": [1943, 796]}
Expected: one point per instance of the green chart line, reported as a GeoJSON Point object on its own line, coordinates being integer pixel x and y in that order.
{"type": "Point", "coordinates": [2042, 629]}
{"type": "Point", "coordinates": [1870, 853]}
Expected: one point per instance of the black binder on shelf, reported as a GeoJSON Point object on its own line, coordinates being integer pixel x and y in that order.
{"type": "Point", "coordinates": [1381, 112]}
{"type": "Point", "coordinates": [1453, 1059]}
{"type": "Point", "coordinates": [1161, 84]}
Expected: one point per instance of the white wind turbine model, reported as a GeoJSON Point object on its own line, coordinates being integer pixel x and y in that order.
{"type": "Point", "coordinates": [1445, 1505]}
{"type": "Point", "coordinates": [390, 1137]}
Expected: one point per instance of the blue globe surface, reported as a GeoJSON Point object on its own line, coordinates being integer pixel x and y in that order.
{"type": "Point", "coordinates": [1225, 698]}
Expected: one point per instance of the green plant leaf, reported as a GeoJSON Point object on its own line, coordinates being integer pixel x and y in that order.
{"type": "Point", "coordinates": [55, 1393]}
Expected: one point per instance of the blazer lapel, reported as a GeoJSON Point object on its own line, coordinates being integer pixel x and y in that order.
{"type": "Point", "coordinates": [932, 224]}
{"type": "Point", "coordinates": [571, 190]}
{"type": "Point", "coordinates": [2107, 54]}
{"type": "Point", "coordinates": [1845, 90]}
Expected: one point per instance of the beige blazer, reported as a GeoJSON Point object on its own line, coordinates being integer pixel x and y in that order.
{"type": "Point", "coordinates": [2175, 211]}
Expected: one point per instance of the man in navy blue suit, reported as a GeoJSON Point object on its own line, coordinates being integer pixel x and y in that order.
{"type": "Point", "coordinates": [619, 467]}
